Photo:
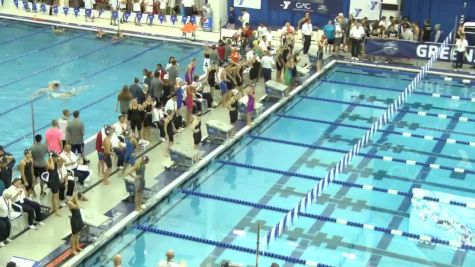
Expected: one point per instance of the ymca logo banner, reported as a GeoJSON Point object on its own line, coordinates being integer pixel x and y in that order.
{"type": "Point", "coordinates": [255, 4]}
{"type": "Point", "coordinates": [370, 9]}
{"type": "Point", "coordinates": [322, 7]}
{"type": "Point", "coordinates": [408, 49]}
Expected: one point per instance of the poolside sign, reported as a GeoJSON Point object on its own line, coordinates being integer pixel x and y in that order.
{"type": "Point", "coordinates": [43, 8]}
{"type": "Point", "coordinates": [66, 10]}
{"type": "Point", "coordinates": [161, 18]}
{"type": "Point", "coordinates": [173, 18]}
{"type": "Point", "coordinates": [150, 18]}
{"type": "Point", "coordinates": [55, 9]}
{"type": "Point", "coordinates": [76, 11]}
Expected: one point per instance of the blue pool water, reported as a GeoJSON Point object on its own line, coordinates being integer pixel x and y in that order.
{"type": "Point", "coordinates": [225, 201]}
{"type": "Point", "coordinates": [31, 56]}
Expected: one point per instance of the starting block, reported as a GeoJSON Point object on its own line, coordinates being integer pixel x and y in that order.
{"type": "Point", "coordinates": [183, 157]}
{"type": "Point", "coordinates": [218, 130]}
{"type": "Point", "coordinates": [303, 74]}
{"type": "Point", "coordinates": [275, 89]}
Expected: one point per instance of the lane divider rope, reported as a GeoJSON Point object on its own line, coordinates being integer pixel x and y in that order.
{"type": "Point", "coordinates": [224, 245]}
{"type": "Point", "coordinates": [395, 232]}
{"type": "Point", "coordinates": [419, 113]}
{"type": "Point", "coordinates": [458, 98]}
{"type": "Point", "coordinates": [366, 187]}
{"type": "Point", "coordinates": [365, 155]}
{"type": "Point", "coordinates": [404, 134]}
{"type": "Point", "coordinates": [24, 36]}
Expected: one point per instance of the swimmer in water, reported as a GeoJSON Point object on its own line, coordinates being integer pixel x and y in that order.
{"type": "Point", "coordinates": [100, 34]}
{"type": "Point", "coordinates": [118, 36]}
{"type": "Point", "coordinates": [57, 29]}
{"type": "Point", "coordinates": [55, 90]}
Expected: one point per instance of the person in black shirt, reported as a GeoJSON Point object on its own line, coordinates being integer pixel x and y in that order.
{"type": "Point", "coordinates": [6, 169]}
{"type": "Point", "coordinates": [231, 18]}
{"type": "Point", "coordinates": [426, 31]}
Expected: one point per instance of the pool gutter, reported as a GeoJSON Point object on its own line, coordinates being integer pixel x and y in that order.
{"type": "Point", "coordinates": [133, 216]}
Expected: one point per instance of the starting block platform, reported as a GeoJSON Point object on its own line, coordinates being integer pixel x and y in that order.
{"type": "Point", "coordinates": [218, 130]}
{"type": "Point", "coordinates": [182, 157]}
{"type": "Point", "coordinates": [275, 89]}
{"type": "Point", "coordinates": [303, 74]}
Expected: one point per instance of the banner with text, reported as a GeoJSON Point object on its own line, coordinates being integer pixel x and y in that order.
{"type": "Point", "coordinates": [323, 7]}
{"type": "Point", "coordinates": [416, 50]}
{"type": "Point", "coordinates": [370, 9]}
{"type": "Point", "coordinates": [255, 4]}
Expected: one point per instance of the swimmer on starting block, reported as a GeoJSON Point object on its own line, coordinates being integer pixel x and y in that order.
{"type": "Point", "coordinates": [55, 90]}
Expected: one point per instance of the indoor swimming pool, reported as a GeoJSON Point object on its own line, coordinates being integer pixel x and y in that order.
{"type": "Point", "coordinates": [360, 219]}
{"type": "Point", "coordinates": [31, 56]}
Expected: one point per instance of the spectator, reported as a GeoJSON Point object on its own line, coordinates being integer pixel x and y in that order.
{"type": "Point", "coordinates": [18, 196]}
{"type": "Point", "coordinates": [123, 100]}
{"type": "Point", "coordinates": [391, 32]}
{"type": "Point", "coordinates": [307, 35]}
{"type": "Point", "coordinates": [5, 210]}
{"type": "Point", "coordinates": [6, 170]}
{"type": "Point", "coordinates": [161, 72]}
{"type": "Point", "coordinates": [461, 48]}
{"type": "Point", "coordinates": [156, 86]}
{"type": "Point", "coordinates": [231, 18]}
{"type": "Point", "coordinates": [189, 6]}
{"type": "Point", "coordinates": [72, 164]}
{"type": "Point", "coordinates": [54, 138]}
{"type": "Point", "coordinates": [107, 154]}
{"type": "Point", "coordinates": [135, 117]}
{"type": "Point", "coordinates": [123, 126]}
{"type": "Point", "coordinates": [173, 73]}
{"type": "Point", "coordinates": [261, 30]}
{"type": "Point", "coordinates": [38, 152]}
{"type": "Point", "coordinates": [170, 256]}
{"type": "Point", "coordinates": [329, 31]}
{"type": "Point", "coordinates": [356, 34]}
{"type": "Point", "coordinates": [267, 62]}
{"type": "Point", "coordinates": [148, 106]}
{"type": "Point", "coordinates": [137, 91]}
{"type": "Point", "coordinates": [246, 17]}
{"type": "Point", "coordinates": [63, 125]}
{"type": "Point", "coordinates": [426, 31]}
{"type": "Point", "coordinates": [76, 133]}
{"type": "Point", "coordinates": [27, 173]}
{"type": "Point", "coordinates": [117, 260]}
{"type": "Point", "coordinates": [437, 33]}
{"type": "Point", "coordinates": [408, 34]}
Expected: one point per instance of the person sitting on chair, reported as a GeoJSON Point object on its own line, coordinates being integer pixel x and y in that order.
{"type": "Point", "coordinates": [72, 164]}
{"type": "Point", "coordinates": [32, 208]}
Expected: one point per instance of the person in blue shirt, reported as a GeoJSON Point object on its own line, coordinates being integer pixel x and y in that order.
{"type": "Point", "coordinates": [329, 31]}
{"type": "Point", "coordinates": [231, 18]}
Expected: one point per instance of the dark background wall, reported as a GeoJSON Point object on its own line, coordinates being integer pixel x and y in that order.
{"type": "Point", "coordinates": [438, 11]}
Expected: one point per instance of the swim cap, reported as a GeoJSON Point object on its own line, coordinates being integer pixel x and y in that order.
{"type": "Point", "coordinates": [26, 151]}
{"type": "Point", "coordinates": [145, 158]}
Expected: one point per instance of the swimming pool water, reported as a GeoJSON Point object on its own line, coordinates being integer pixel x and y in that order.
{"type": "Point", "coordinates": [217, 203]}
{"type": "Point", "coordinates": [31, 56]}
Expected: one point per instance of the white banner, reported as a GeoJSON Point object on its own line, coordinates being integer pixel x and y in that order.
{"type": "Point", "coordinates": [255, 4]}
{"type": "Point", "coordinates": [370, 9]}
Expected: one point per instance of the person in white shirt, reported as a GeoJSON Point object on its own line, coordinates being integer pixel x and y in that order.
{"type": "Point", "coordinates": [149, 6]}
{"type": "Point", "coordinates": [267, 63]}
{"type": "Point", "coordinates": [261, 30]}
{"type": "Point", "coordinates": [5, 225]}
{"type": "Point", "coordinates": [63, 125]}
{"type": "Point", "coordinates": [307, 35]}
{"type": "Point", "coordinates": [188, 5]}
{"type": "Point", "coordinates": [460, 48]}
{"type": "Point", "coordinates": [32, 208]}
{"type": "Point", "coordinates": [245, 18]}
{"type": "Point", "coordinates": [71, 163]}
{"type": "Point", "coordinates": [137, 10]}
{"type": "Point", "coordinates": [356, 34]}
{"type": "Point", "coordinates": [89, 4]}
{"type": "Point", "coordinates": [170, 255]}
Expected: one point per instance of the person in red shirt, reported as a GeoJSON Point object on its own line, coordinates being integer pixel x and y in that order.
{"type": "Point", "coordinates": [100, 152]}
{"type": "Point", "coordinates": [161, 71]}
{"type": "Point", "coordinates": [221, 50]}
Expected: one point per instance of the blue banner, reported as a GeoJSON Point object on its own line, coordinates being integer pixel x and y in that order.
{"type": "Point", "coordinates": [138, 17]}
{"type": "Point", "coordinates": [2, 2]}
{"type": "Point", "coordinates": [193, 20]}
{"type": "Point", "coordinates": [16, 3]}
{"type": "Point", "coordinates": [322, 7]}
{"type": "Point", "coordinates": [25, 5]}
{"type": "Point", "coordinates": [115, 15]}
{"type": "Point", "coordinates": [55, 10]}
{"type": "Point", "coordinates": [184, 19]}
{"type": "Point", "coordinates": [150, 18]}
{"type": "Point", "coordinates": [43, 8]}
{"type": "Point", "coordinates": [88, 12]}
{"type": "Point", "coordinates": [126, 16]}
{"type": "Point", "coordinates": [415, 50]}
{"type": "Point", "coordinates": [76, 11]}
{"type": "Point", "coordinates": [34, 7]}
{"type": "Point", "coordinates": [66, 10]}
{"type": "Point", "coordinates": [161, 18]}
{"type": "Point", "coordinates": [173, 18]}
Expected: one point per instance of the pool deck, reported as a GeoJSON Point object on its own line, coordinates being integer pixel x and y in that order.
{"type": "Point", "coordinates": [57, 228]}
